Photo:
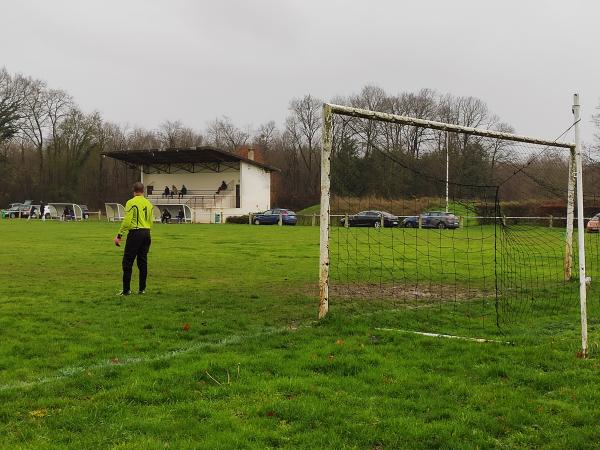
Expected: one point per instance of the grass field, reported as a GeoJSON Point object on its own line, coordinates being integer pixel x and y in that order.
{"type": "Point", "coordinates": [225, 352]}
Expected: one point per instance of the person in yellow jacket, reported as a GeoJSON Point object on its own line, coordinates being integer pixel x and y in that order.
{"type": "Point", "coordinates": [137, 223]}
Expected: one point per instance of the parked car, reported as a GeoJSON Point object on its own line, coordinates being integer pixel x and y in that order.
{"type": "Point", "coordinates": [271, 217]}
{"type": "Point", "coordinates": [433, 219]}
{"type": "Point", "coordinates": [14, 211]}
{"type": "Point", "coordinates": [371, 219]}
{"type": "Point", "coordinates": [20, 210]}
{"type": "Point", "coordinates": [593, 225]}
{"type": "Point", "coordinates": [6, 213]}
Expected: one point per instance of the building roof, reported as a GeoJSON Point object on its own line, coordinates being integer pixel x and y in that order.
{"type": "Point", "coordinates": [188, 155]}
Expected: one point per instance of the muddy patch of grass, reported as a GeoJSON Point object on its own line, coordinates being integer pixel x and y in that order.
{"type": "Point", "coordinates": [409, 293]}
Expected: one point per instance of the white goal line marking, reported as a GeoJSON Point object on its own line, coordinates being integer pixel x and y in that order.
{"type": "Point", "coordinates": [68, 372]}
{"type": "Point", "coordinates": [446, 336]}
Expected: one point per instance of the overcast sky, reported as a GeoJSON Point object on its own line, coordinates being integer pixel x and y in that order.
{"type": "Point", "coordinates": [142, 62]}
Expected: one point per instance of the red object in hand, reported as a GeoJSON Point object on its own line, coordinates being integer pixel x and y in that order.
{"type": "Point", "coordinates": [118, 241]}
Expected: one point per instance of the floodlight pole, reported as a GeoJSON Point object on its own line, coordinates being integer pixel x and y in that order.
{"type": "Point", "coordinates": [142, 173]}
{"type": "Point", "coordinates": [327, 137]}
{"type": "Point", "coordinates": [580, 230]}
{"type": "Point", "coordinates": [447, 169]}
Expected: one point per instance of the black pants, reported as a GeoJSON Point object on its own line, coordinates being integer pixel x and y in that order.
{"type": "Point", "coordinates": [137, 246]}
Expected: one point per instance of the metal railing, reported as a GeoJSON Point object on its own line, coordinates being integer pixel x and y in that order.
{"type": "Point", "coordinates": [197, 199]}
{"type": "Point", "coordinates": [212, 201]}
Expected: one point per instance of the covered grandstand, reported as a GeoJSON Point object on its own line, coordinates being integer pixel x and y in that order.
{"type": "Point", "coordinates": [217, 183]}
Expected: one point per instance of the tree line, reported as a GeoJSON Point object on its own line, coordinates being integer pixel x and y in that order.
{"type": "Point", "coordinates": [51, 150]}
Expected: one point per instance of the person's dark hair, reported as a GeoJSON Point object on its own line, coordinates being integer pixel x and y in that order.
{"type": "Point", "coordinates": [138, 187]}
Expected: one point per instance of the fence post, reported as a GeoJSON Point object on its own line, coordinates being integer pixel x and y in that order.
{"type": "Point", "coordinates": [314, 220]}
{"type": "Point", "coordinates": [420, 221]}
{"type": "Point", "coordinates": [551, 221]}
{"type": "Point", "coordinates": [346, 225]}
{"type": "Point", "coordinates": [249, 218]}
{"type": "Point", "coordinates": [382, 221]}
{"type": "Point", "coordinates": [280, 222]}
{"type": "Point", "coordinates": [461, 222]}
{"type": "Point", "coordinates": [503, 220]}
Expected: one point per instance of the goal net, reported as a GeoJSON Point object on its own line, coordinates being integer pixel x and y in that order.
{"type": "Point", "coordinates": [445, 220]}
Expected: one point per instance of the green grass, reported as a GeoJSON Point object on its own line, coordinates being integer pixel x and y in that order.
{"type": "Point", "coordinates": [314, 209]}
{"type": "Point", "coordinates": [81, 368]}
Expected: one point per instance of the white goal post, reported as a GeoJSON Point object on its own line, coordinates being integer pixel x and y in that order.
{"type": "Point", "coordinates": [574, 185]}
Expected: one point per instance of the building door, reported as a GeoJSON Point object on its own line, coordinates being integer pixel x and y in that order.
{"type": "Point", "coordinates": [237, 196]}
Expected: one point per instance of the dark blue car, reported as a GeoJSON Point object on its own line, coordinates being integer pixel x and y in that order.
{"type": "Point", "coordinates": [271, 217]}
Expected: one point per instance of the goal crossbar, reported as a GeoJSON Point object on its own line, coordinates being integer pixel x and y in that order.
{"type": "Point", "coordinates": [405, 120]}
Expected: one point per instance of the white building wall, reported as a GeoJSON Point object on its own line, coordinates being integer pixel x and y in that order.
{"type": "Point", "coordinates": [255, 188]}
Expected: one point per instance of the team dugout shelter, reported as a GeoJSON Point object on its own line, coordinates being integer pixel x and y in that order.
{"type": "Point", "coordinates": [202, 170]}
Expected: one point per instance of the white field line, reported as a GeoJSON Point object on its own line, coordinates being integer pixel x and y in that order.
{"type": "Point", "coordinates": [68, 372]}
{"type": "Point", "coordinates": [446, 336]}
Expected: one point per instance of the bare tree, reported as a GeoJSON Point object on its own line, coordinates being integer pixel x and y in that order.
{"type": "Point", "coordinates": [373, 98]}
{"type": "Point", "coordinates": [266, 135]}
{"type": "Point", "coordinates": [57, 105]}
{"type": "Point", "coordinates": [12, 96]}
{"type": "Point", "coordinates": [224, 134]}
{"type": "Point", "coordinates": [169, 133]}
{"type": "Point", "coordinates": [190, 138]}
{"type": "Point", "coordinates": [472, 112]}
{"type": "Point", "coordinates": [422, 105]}
{"type": "Point", "coordinates": [141, 139]}
{"type": "Point", "coordinates": [35, 120]}
{"type": "Point", "coordinates": [499, 147]}
{"type": "Point", "coordinates": [303, 127]}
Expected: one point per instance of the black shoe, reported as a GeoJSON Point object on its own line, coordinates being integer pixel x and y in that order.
{"type": "Point", "coordinates": [124, 293]}
{"type": "Point", "coordinates": [141, 292]}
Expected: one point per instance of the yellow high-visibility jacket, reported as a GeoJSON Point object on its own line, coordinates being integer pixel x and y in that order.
{"type": "Point", "coordinates": [138, 214]}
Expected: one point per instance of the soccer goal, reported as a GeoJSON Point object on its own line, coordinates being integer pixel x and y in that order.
{"type": "Point", "coordinates": [441, 217]}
